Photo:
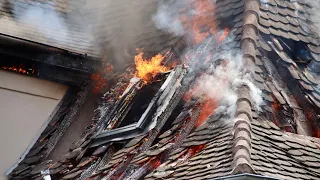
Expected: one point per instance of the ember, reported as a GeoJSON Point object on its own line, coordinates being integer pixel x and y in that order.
{"type": "Point", "coordinates": [192, 151]}
{"type": "Point", "coordinates": [155, 163]}
{"type": "Point", "coordinates": [195, 149]}
{"type": "Point", "coordinates": [21, 69]}
{"type": "Point", "coordinates": [276, 108]}
{"type": "Point", "coordinates": [201, 23]}
{"type": "Point", "coordinates": [146, 69]}
{"type": "Point", "coordinates": [223, 35]}
{"type": "Point", "coordinates": [100, 78]}
{"type": "Point", "coordinates": [207, 108]}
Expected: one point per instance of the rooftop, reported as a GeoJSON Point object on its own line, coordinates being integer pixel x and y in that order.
{"type": "Point", "coordinates": [275, 138]}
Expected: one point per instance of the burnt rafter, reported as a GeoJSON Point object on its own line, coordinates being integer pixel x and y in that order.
{"type": "Point", "coordinates": [150, 116]}
{"type": "Point", "coordinates": [50, 62]}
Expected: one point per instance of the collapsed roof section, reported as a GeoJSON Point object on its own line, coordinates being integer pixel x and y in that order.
{"type": "Point", "coordinates": [287, 38]}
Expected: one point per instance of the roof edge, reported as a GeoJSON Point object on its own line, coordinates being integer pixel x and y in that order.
{"type": "Point", "coordinates": [47, 54]}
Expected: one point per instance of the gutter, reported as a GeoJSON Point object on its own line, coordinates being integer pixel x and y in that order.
{"type": "Point", "coordinates": [246, 176]}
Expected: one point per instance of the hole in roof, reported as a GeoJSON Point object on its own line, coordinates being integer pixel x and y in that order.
{"type": "Point", "coordinates": [140, 103]}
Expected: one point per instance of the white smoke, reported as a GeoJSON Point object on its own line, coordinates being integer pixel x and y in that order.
{"type": "Point", "coordinates": [217, 82]}
{"type": "Point", "coordinates": [264, 1]}
{"type": "Point", "coordinates": [224, 67]}
{"type": "Point", "coordinates": [167, 16]}
{"type": "Point", "coordinates": [221, 82]}
{"type": "Point", "coordinates": [47, 23]}
{"type": "Point", "coordinates": [315, 14]}
{"type": "Point", "coordinates": [44, 21]}
{"type": "Point", "coordinates": [172, 16]}
{"type": "Point", "coordinates": [254, 91]}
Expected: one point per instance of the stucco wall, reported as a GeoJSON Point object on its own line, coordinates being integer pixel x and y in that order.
{"type": "Point", "coordinates": [25, 105]}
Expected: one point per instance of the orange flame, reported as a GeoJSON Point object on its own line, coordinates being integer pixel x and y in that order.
{"type": "Point", "coordinates": [192, 151]}
{"type": "Point", "coordinates": [207, 108]}
{"type": "Point", "coordinates": [20, 69]}
{"type": "Point", "coordinates": [146, 69]}
{"type": "Point", "coordinates": [276, 108]}
{"type": "Point", "coordinates": [202, 23]}
{"type": "Point", "coordinates": [224, 35]}
{"type": "Point", "coordinates": [203, 20]}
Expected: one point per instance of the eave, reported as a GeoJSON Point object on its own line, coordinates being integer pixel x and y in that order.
{"type": "Point", "coordinates": [70, 68]}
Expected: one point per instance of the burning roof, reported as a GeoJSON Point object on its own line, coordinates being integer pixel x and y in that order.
{"type": "Point", "coordinates": [235, 101]}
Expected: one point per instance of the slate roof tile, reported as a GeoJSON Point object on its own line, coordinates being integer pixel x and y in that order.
{"type": "Point", "coordinates": [72, 175]}
{"type": "Point", "coordinates": [282, 158]}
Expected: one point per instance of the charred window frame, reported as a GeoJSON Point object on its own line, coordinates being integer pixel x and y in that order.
{"type": "Point", "coordinates": [149, 116]}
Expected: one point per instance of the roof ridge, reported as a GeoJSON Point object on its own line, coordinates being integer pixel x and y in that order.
{"type": "Point", "coordinates": [242, 129]}
{"type": "Point", "coordinates": [242, 136]}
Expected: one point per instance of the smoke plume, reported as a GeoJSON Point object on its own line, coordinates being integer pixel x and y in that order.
{"type": "Point", "coordinates": [181, 17]}
{"type": "Point", "coordinates": [50, 22]}
{"type": "Point", "coordinates": [222, 67]}
{"type": "Point", "coordinates": [122, 26]}
{"type": "Point", "coordinates": [116, 28]}
{"type": "Point", "coordinates": [43, 21]}
{"type": "Point", "coordinates": [223, 78]}
{"type": "Point", "coordinates": [167, 16]}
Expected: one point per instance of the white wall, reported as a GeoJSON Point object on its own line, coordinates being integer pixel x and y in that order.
{"type": "Point", "coordinates": [25, 105]}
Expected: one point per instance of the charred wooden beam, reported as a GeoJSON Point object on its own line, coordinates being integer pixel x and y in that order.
{"type": "Point", "coordinates": [43, 70]}
{"type": "Point", "coordinates": [168, 102]}
{"type": "Point", "coordinates": [123, 102]}
{"type": "Point", "coordinates": [47, 54]}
